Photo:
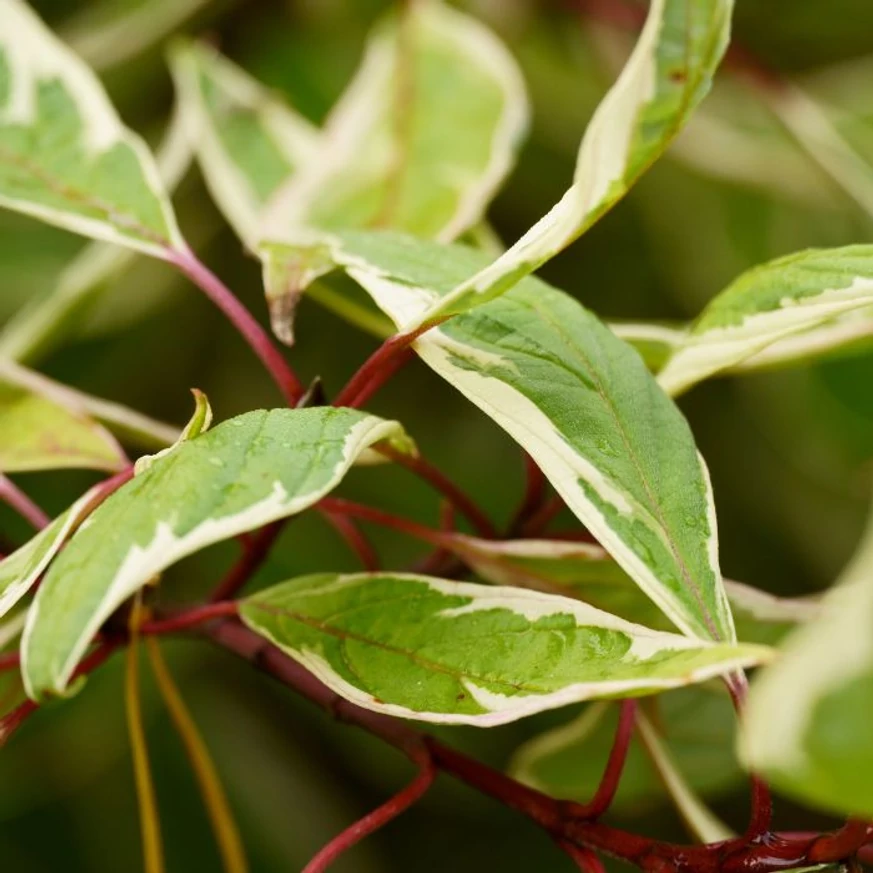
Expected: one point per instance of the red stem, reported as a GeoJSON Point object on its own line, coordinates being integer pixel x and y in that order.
{"type": "Point", "coordinates": [544, 516]}
{"type": "Point", "coordinates": [762, 801]}
{"type": "Point", "coordinates": [611, 778]}
{"type": "Point", "coordinates": [14, 497]}
{"type": "Point", "coordinates": [354, 538]}
{"type": "Point", "coordinates": [438, 480]}
{"type": "Point", "coordinates": [255, 551]}
{"type": "Point", "coordinates": [844, 843]}
{"type": "Point", "coordinates": [189, 618]}
{"type": "Point", "coordinates": [9, 661]}
{"type": "Point", "coordinates": [585, 859]}
{"type": "Point", "coordinates": [252, 332]}
{"type": "Point", "coordinates": [377, 819]}
{"type": "Point", "coordinates": [378, 368]}
{"type": "Point", "coordinates": [559, 819]}
{"type": "Point", "coordinates": [341, 506]}
{"type": "Point", "coordinates": [13, 720]}
{"type": "Point", "coordinates": [534, 495]}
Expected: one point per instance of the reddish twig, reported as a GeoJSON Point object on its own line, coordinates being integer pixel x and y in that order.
{"type": "Point", "coordinates": [584, 858]}
{"type": "Point", "coordinates": [341, 506]}
{"type": "Point", "coordinates": [611, 778]}
{"type": "Point", "coordinates": [378, 368]}
{"type": "Point", "coordinates": [15, 498]}
{"type": "Point", "coordinates": [354, 538]}
{"type": "Point", "coordinates": [9, 661]}
{"type": "Point", "coordinates": [766, 855]}
{"type": "Point", "coordinates": [762, 802]}
{"type": "Point", "coordinates": [255, 552]}
{"type": "Point", "coordinates": [439, 557]}
{"type": "Point", "coordinates": [377, 819]}
{"type": "Point", "coordinates": [534, 496]}
{"type": "Point", "coordinates": [438, 480]}
{"type": "Point", "coordinates": [845, 843]}
{"type": "Point", "coordinates": [543, 517]}
{"type": "Point", "coordinates": [189, 618]}
{"type": "Point", "coordinates": [252, 332]}
{"type": "Point", "coordinates": [13, 720]}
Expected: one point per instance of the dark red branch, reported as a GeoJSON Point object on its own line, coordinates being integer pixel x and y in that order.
{"type": "Point", "coordinates": [762, 802]}
{"type": "Point", "coordinates": [378, 368]}
{"type": "Point", "coordinates": [376, 820]}
{"type": "Point", "coordinates": [252, 332]}
{"type": "Point", "coordinates": [341, 506]}
{"type": "Point", "coordinates": [584, 858]}
{"type": "Point", "coordinates": [255, 552]}
{"type": "Point", "coordinates": [768, 854]}
{"type": "Point", "coordinates": [534, 496]}
{"type": "Point", "coordinates": [190, 618]}
{"type": "Point", "coordinates": [439, 481]}
{"type": "Point", "coordinates": [543, 517]}
{"type": "Point", "coordinates": [611, 778]}
{"type": "Point", "coordinates": [354, 538]}
{"type": "Point", "coordinates": [9, 661]}
{"type": "Point", "coordinates": [16, 499]}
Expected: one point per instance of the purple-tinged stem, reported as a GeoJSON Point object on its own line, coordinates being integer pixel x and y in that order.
{"type": "Point", "coordinates": [14, 497]}
{"type": "Point", "coordinates": [252, 332]}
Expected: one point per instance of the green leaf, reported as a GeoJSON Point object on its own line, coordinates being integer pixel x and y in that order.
{"type": "Point", "coordinates": [110, 32]}
{"type": "Point", "coordinates": [239, 476]}
{"type": "Point", "coordinates": [22, 568]}
{"type": "Point", "coordinates": [420, 142]}
{"type": "Point", "coordinates": [776, 304]}
{"type": "Point", "coordinates": [654, 342]}
{"type": "Point", "coordinates": [581, 403]}
{"type": "Point", "coordinates": [587, 572]}
{"type": "Point", "coordinates": [669, 72]}
{"type": "Point", "coordinates": [696, 728]}
{"type": "Point", "coordinates": [458, 653]}
{"type": "Point", "coordinates": [807, 723]}
{"type": "Point", "coordinates": [129, 424]}
{"type": "Point", "coordinates": [248, 141]}
{"type": "Point", "coordinates": [65, 156]}
{"type": "Point", "coordinates": [38, 326]}
{"type": "Point", "coordinates": [41, 429]}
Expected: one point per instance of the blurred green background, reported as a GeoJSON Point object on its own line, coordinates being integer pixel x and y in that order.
{"type": "Point", "coordinates": [789, 451]}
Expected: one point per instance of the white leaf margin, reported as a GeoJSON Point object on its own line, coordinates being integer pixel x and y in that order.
{"type": "Point", "coordinates": [36, 55]}
{"type": "Point", "coordinates": [532, 605]}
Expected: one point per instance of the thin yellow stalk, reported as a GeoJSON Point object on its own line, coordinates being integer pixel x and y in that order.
{"type": "Point", "coordinates": [150, 826]}
{"type": "Point", "coordinates": [220, 816]}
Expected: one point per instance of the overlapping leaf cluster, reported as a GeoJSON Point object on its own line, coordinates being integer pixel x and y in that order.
{"type": "Point", "coordinates": [392, 191]}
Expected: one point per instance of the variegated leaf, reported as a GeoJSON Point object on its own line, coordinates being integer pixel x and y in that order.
{"type": "Point", "coordinates": [22, 568]}
{"type": "Point", "coordinates": [420, 142]}
{"type": "Point", "coordinates": [581, 403]}
{"type": "Point", "coordinates": [35, 329]}
{"type": "Point", "coordinates": [783, 302]}
{"type": "Point", "coordinates": [131, 426]}
{"type": "Point", "coordinates": [669, 72]}
{"type": "Point", "coordinates": [697, 728]}
{"type": "Point", "coordinates": [654, 342]}
{"type": "Point", "coordinates": [807, 723]}
{"type": "Point", "coordinates": [41, 429]}
{"type": "Point", "coordinates": [248, 140]}
{"type": "Point", "coordinates": [457, 653]}
{"type": "Point", "coordinates": [65, 156]}
{"type": "Point", "coordinates": [586, 571]}
{"type": "Point", "coordinates": [110, 32]}
{"type": "Point", "coordinates": [241, 475]}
